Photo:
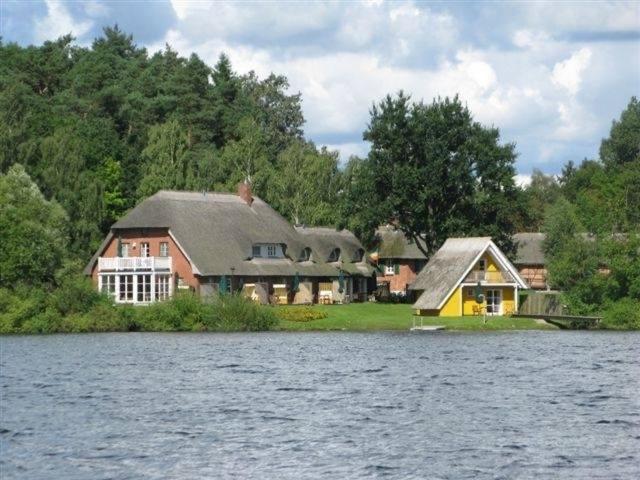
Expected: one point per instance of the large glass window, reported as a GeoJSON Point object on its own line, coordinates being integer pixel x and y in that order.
{"type": "Point", "coordinates": [126, 288]}
{"type": "Point", "coordinates": [144, 288]}
{"type": "Point", "coordinates": [164, 249]}
{"type": "Point", "coordinates": [109, 285]}
{"type": "Point", "coordinates": [162, 287]}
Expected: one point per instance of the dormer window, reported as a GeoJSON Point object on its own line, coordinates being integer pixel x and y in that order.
{"type": "Point", "coordinates": [359, 255]}
{"type": "Point", "coordinates": [271, 250]}
{"type": "Point", "coordinates": [257, 251]}
{"type": "Point", "coordinates": [305, 256]}
{"type": "Point", "coordinates": [335, 255]}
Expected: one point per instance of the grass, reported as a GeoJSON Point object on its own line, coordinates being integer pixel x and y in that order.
{"type": "Point", "coordinates": [380, 316]}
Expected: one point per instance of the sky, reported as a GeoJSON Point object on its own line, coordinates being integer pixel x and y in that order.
{"type": "Point", "coordinates": [551, 75]}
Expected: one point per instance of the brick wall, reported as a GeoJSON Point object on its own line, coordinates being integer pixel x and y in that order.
{"type": "Point", "coordinates": [154, 237]}
{"type": "Point", "coordinates": [398, 282]}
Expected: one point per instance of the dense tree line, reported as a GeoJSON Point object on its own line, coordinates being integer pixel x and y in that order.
{"type": "Point", "coordinates": [86, 133]}
{"type": "Point", "coordinates": [100, 128]}
{"type": "Point", "coordinates": [592, 221]}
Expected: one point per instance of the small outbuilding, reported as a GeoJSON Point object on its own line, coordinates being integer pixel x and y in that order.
{"type": "Point", "coordinates": [468, 276]}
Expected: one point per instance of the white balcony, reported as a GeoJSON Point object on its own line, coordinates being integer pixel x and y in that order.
{"type": "Point", "coordinates": [489, 277]}
{"type": "Point", "coordinates": [134, 264]}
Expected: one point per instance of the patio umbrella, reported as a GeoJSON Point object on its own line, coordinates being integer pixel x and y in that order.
{"type": "Point", "coordinates": [478, 293]}
{"type": "Point", "coordinates": [119, 246]}
{"type": "Point", "coordinates": [223, 287]}
{"type": "Point", "coordinates": [341, 282]}
{"type": "Point", "coordinates": [296, 283]}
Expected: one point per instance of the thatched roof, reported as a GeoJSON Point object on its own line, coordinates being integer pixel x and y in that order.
{"type": "Point", "coordinates": [529, 248]}
{"type": "Point", "coordinates": [218, 230]}
{"type": "Point", "coordinates": [448, 267]}
{"type": "Point", "coordinates": [395, 244]}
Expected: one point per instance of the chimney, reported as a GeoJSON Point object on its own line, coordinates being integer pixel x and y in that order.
{"type": "Point", "coordinates": [244, 192]}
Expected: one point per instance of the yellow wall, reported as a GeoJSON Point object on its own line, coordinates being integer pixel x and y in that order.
{"type": "Point", "coordinates": [508, 299]}
{"type": "Point", "coordinates": [460, 296]}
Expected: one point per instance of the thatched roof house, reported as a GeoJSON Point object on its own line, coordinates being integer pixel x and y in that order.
{"type": "Point", "coordinates": [212, 235]}
{"type": "Point", "coordinates": [459, 272]}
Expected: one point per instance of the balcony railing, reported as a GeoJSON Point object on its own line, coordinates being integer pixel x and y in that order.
{"type": "Point", "coordinates": [119, 264]}
{"type": "Point", "coordinates": [489, 277]}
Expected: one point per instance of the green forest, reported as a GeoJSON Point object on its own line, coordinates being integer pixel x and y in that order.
{"type": "Point", "coordinates": [87, 132]}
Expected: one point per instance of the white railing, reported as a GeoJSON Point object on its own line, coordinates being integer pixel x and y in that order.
{"type": "Point", "coordinates": [118, 264]}
{"type": "Point", "coordinates": [489, 277]}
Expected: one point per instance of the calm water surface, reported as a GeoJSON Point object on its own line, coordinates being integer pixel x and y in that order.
{"type": "Point", "coordinates": [321, 405]}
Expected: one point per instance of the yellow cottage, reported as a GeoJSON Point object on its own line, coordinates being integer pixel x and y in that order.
{"type": "Point", "coordinates": [462, 269]}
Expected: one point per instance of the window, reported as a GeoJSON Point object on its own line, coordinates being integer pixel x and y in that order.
{"type": "Point", "coordinates": [164, 249]}
{"type": "Point", "coordinates": [470, 293]}
{"type": "Point", "coordinates": [257, 251]}
{"type": "Point", "coordinates": [482, 265]}
{"type": "Point", "coordinates": [126, 288]}
{"type": "Point", "coordinates": [144, 249]}
{"type": "Point", "coordinates": [306, 255]}
{"type": "Point", "coordinates": [162, 287]}
{"type": "Point", "coordinates": [125, 249]}
{"type": "Point", "coordinates": [144, 288]}
{"type": "Point", "coordinates": [359, 255]}
{"type": "Point", "coordinates": [109, 285]}
{"type": "Point", "coordinates": [390, 269]}
{"type": "Point", "coordinates": [271, 250]}
{"type": "Point", "coordinates": [335, 255]}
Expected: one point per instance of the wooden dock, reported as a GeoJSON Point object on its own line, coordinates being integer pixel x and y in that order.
{"type": "Point", "coordinates": [566, 322]}
{"type": "Point", "coordinates": [425, 328]}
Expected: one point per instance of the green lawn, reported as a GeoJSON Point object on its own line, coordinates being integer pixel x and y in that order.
{"type": "Point", "coordinates": [380, 316]}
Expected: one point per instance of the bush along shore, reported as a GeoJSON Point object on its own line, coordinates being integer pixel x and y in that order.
{"type": "Point", "coordinates": [76, 307]}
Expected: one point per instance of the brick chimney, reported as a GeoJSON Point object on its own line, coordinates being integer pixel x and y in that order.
{"type": "Point", "coordinates": [244, 192]}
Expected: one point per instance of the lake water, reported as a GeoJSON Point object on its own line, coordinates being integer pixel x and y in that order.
{"type": "Point", "coordinates": [321, 405]}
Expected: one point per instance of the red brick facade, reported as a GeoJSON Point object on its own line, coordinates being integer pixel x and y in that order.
{"type": "Point", "coordinates": [180, 264]}
{"type": "Point", "coordinates": [407, 271]}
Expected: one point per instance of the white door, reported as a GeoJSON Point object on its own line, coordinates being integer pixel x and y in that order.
{"type": "Point", "coordinates": [494, 302]}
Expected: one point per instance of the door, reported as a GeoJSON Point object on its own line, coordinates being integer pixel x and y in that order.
{"type": "Point", "coordinates": [494, 302]}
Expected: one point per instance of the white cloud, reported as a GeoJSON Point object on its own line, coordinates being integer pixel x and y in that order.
{"type": "Point", "coordinates": [59, 22]}
{"type": "Point", "coordinates": [349, 149]}
{"type": "Point", "coordinates": [343, 57]}
{"type": "Point", "coordinates": [568, 74]}
{"type": "Point", "coordinates": [530, 39]}
{"type": "Point", "coordinates": [522, 180]}
{"type": "Point", "coordinates": [94, 9]}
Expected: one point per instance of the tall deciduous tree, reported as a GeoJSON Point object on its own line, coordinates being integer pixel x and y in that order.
{"type": "Point", "coordinates": [165, 165]}
{"type": "Point", "coordinates": [33, 232]}
{"type": "Point", "coordinates": [437, 173]}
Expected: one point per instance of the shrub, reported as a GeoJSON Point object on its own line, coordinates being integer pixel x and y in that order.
{"type": "Point", "coordinates": [75, 295]}
{"type": "Point", "coordinates": [236, 313]}
{"type": "Point", "coordinates": [300, 314]}
{"type": "Point", "coordinates": [623, 314]}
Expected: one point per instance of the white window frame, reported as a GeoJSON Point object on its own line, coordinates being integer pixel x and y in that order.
{"type": "Point", "coordinates": [125, 247]}
{"type": "Point", "coordinates": [271, 250]}
{"type": "Point", "coordinates": [256, 251]}
{"type": "Point", "coordinates": [145, 249]}
{"type": "Point", "coordinates": [143, 290]}
{"type": "Point", "coordinates": [389, 268]}
{"type": "Point", "coordinates": [108, 285]}
{"type": "Point", "coordinates": [126, 291]}
{"type": "Point", "coordinates": [482, 265]}
{"type": "Point", "coordinates": [162, 287]}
